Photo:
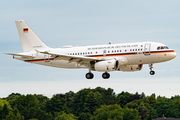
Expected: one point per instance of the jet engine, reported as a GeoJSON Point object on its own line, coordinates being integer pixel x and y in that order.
{"type": "Point", "coordinates": [129, 68]}
{"type": "Point", "coordinates": [104, 66]}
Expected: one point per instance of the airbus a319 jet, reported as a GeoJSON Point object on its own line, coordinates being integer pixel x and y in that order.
{"type": "Point", "coordinates": [102, 58]}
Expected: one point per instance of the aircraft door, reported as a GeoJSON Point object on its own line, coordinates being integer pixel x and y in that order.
{"type": "Point", "coordinates": [104, 52]}
{"type": "Point", "coordinates": [147, 48]}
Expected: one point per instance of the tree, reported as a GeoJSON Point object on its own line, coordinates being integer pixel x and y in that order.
{"type": "Point", "coordinates": [108, 95]}
{"type": "Point", "coordinates": [130, 114]}
{"type": "Point", "coordinates": [77, 105]}
{"type": "Point", "coordinates": [64, 116]}
{"type": "Point", "coordinates": [143, 112]}
{"type": "Point", "coordinates": [5, 111]}
{"type": "Point", "coordinates": [4, 108]}
{"type": "Point", "coordinates": [56, 104]}
{"type": "Point", "coordinates": [152, 114]}
{"type": "Point", "coordinates": [84, 116]}
{"type": "Point", "coordinates": [13, 96]}
{"type": "Point", "coordinates": [177, 102]}
{"type": "Point", "coordinates": [12, 116]}
{"type": "Point", "coordinates": [152, 100]}
{"type": "Point", "coordinates": [108, 112]}
{"type": "Point", "coordinates": [166, 107]}
{"type": "Point", "coordinates": [123, 98]}
{"type": "Point", "coordinates": [29, 107]}
{"type": "Point", "coordinates": [92, 101]}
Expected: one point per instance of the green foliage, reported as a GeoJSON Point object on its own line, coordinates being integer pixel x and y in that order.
{"type": "Point", "coordinates": [4, 111]}
{"type": "Point", "coordinates": [65, 116]}
{"type": "Point", "coordinates": [4, 102]}
{"type": "Point", "coordinates": [84, 116]}
{"type": "Point", "coordinates": [108, 112]}
{"type": "Point", "coordinates": [152, 114]}
{"type": "Point", "coordinates": [130, 114]}
{"type": "Point", "coordinates": [166, 107]}
{"type": "Point", "coordinates": [143, 111]}
{"type": "Point", "coordinates": [12, 116]}
{"type": "Point", "coordinates": [88, 104]}
{"type": "Point", "coordinates": [77, 105]}
{"type": "Point", "coordinates": [56, 104]}
{"type": "Point", "coordinates": [177, 102]}
{"type": "Point", "coordinates": [29, 107]}
{"type": "Point", "coordinates": [123, 98]}
{"type": "Point", "coordinates": [92, 101]}
{"type": "Point", "coordinates": [13, 96]}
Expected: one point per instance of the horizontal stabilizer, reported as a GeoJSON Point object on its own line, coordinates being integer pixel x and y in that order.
{"type": "Point", "coordinates": [22, 55]}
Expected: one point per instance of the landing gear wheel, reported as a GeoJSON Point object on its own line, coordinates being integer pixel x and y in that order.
{"type": "Point", "coordinates": [151, 67]}
{"type": "Point", "coordinates": [105, 75]}
{"type": "Point", "coordinates": [152, 72]}
{"type": "Point", "coordinates": [89, 76]}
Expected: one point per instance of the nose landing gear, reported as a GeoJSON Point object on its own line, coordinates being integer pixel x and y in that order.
{"type": "Point", "coordinates": [151, 72]}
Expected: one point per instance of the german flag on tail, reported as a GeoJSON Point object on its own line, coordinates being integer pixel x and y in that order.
{"type": "Point", "coordinates": [25, 30]}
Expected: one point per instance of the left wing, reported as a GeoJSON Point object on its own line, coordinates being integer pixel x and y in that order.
{"type": "Point", "coordinates": [79, 59]}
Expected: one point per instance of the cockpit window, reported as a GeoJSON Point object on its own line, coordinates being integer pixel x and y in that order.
{"type": "Point", "coordinates": [162, 47]}
{"type": "Point", "coordinates": [166, 47]}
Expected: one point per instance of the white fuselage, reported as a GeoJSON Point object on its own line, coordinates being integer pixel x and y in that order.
{"type": "Point", "coordinates": [136, 53]}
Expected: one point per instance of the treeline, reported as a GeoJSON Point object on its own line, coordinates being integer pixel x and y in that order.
{"type": "Point", "coordinates": [88, 104]}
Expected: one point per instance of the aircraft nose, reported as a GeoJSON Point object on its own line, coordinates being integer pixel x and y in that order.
{"type": "Point", "coordinates": [174, 55]}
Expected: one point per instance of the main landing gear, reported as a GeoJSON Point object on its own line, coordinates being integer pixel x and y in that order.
{"type": "Point", "coordinates": [151, 72]}
{"type": "Point", "coordinates": [90, 75]}
{"type": "Point", "coordinates": [105, 75]}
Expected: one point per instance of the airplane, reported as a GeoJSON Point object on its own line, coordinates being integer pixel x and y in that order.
{"type": "Point", "coordinates": [125, 57]}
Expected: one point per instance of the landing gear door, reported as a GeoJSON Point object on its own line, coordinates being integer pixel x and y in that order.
{"type": "Point", "coordinates": [46, 58]}
{"type": "Point", "coordinates": [147, 48]}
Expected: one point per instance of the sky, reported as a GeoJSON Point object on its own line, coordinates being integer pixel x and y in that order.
{"type": "Point", "coordinates": [89, 22]}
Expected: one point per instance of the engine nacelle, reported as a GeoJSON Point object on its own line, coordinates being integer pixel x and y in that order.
{"type": "Point", "coordinates": [122, 60]}
{"type": "Point", "coordinates": [131, 67]}
{"type": "Point", "coordinates": [104, 66]}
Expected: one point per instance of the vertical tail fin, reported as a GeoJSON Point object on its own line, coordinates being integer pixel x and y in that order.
{"type": "Point", "coordinates": [29, 40]}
